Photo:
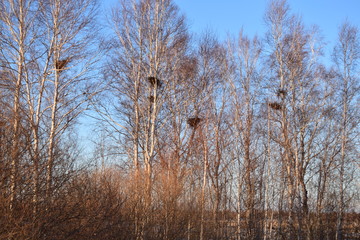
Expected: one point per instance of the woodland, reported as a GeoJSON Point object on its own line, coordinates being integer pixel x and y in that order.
{"type": "Point", "coordinates": [195, 138]}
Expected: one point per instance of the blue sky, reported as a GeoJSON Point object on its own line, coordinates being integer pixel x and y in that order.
{"type": "Point", "coordinates": [229, 16]}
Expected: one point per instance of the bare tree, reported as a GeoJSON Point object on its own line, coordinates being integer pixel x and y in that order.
{"type": "Point", "coordinates": [30, 60]}
{"type": "Point", "coordinates": [147, 47]}
{"type": "Point", "coordinates": [245, 89]}
{"type": "Point", "coordinates": [17, 22]}
{"type": "Point", "coordinates": [346, 58]}
{"type": "Point", "coordinates": [298, 103]}
{"type": "Point", "coordinates": [209, 123]}
{"type": "Point", "coordinates": [70, 32]}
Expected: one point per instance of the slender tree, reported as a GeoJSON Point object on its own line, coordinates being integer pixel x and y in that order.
{"type": "Point", "coordinates": [298, 104]}
{"type": "Point", "coordinates": [244, 92]}
{"type": "Point", "coordinates": [346, 58]}
{"type": "Point", "coordinates": [69, 33]}
{"type": "Point", "coordinates": [148, 44]}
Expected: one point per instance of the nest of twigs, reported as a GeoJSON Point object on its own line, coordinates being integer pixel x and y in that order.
{"type": "Point", "coordinates": [281, 93]}
{"type": "Point", "coordinates": [194, 122]}
{"type": "Point", "coordinates": [154, 81]}
{"type": "Point", "coordinates": [61, 64]}
{"type": "Point", "coordinates": [152, 99]}
{"type": "Point", "coordinates": [275, 105]}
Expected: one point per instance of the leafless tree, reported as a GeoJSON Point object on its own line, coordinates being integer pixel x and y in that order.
{"type": "Point", "coordinates": [70, 31]}
{"type": "Point", "coordinates": [147, 49]}
{"type": "Point", "coordinates": [32, 40]}
{"type": "Point", "coordinates": [346, 58]}
{"type": "Point", "coordinates": [299, 103]}
{"type": "Point", "coordinates": [17, 25]}
{"type": "Point", "coordinates": [245, 90]}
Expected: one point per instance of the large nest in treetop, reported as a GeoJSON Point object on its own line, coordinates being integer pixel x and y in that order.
{"type": "Point", "coordinates": [193, 122]}
{"type": "Point", "coordinates": [275, 105]}
{"type": "Point", "coordinates": [152, 99]}
{"type": "Point", "coordinates": [60, 64]}
{"type": "Point", "coordinates": [281, 93]}
{"type": "Point", "coordinates": [154, 81]}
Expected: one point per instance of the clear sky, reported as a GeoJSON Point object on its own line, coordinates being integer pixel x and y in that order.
{"type": "Point", "coordinates": [228, 16]}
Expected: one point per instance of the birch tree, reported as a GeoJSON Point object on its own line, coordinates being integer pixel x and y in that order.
{"type": "Point", "coordinates": [44, 104]}
{"type": "Point", "coordinates": [297, 102]}
{"type": "Point", "coordinates": [17, 20]}
{"type": "Point", "coordinates": [245, 90]}
{"type": "Point", "coordinates": [70, 30]}
{"type": "Point", "coordinates": [346, 58]}
{"type": "Point", "coordinates": [148, 43]}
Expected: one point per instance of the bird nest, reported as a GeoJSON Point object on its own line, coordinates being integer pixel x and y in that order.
{"type": "Point", "coordinates": [194, 122]}
{"type": "Point", "coordinates": [281, 93]}
{"type": "Point", "coordinates": [275, 105]}
{"type": "Point", "coordinates": [154, 81]}
{"type": "Point", "coordinates": [152, 99]}
{"type": "Point", "coordinates": [61, 64]}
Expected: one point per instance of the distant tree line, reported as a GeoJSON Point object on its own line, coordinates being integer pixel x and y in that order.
{"type": "Point", "coordinates": [249, 138]}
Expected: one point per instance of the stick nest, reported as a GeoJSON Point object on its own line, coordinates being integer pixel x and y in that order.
{"type": "Point", "coordinates": [61, 64]}
{"type": "Point", "coordinates": [275, 105]}
{"type": "Point", "coordinates": [154, 81]}
{"type": "Point", "coordinates": [194, 122]}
